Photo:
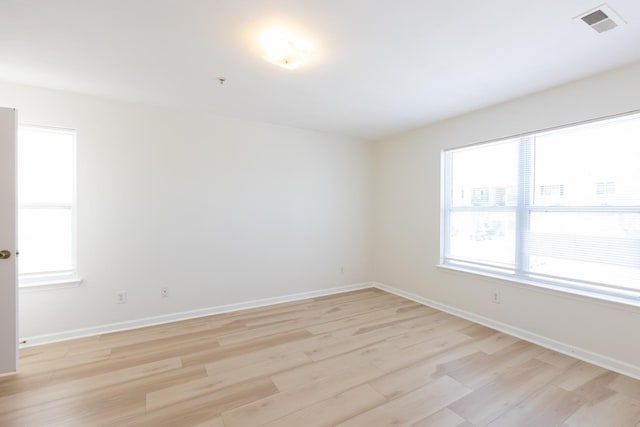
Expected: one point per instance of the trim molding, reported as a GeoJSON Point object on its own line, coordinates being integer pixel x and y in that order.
{"type": "Point", "coordinates": [185, 315]}
{"type": "Point", "coordinates": [576, 352]}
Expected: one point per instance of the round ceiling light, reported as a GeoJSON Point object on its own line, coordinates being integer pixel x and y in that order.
{"type": "Point", "coordinates": [284, 48]}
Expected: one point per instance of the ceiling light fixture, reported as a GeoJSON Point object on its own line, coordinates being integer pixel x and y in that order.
{"type": "Point", "coordinates": [284, 48]}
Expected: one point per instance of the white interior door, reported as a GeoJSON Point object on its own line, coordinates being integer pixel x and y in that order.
{"type": "Point", "coordinates": [8, 264]}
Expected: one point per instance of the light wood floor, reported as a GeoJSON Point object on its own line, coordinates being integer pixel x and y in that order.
{"type": "Point", "coordinates": [364, 358]}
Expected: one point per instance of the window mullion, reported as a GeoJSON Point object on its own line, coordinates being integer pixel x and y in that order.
{"type": "Point", "coordinates": [446, 205]}
{"type": "Point", "coordinates": [523, 214]}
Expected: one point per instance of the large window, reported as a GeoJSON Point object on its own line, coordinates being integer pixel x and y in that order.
{"type": "Point", "coordinates": [559, 208]}
{"type": "Point", "coordinates": [46, 204]}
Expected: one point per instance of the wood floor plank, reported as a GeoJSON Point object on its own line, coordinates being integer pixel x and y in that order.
{"type": "Point", "coordinates": [443, 418]}
{"type": "Point", "coordinates": [69, 360]}
{"type": "Point", "coordinates": [482, 370]}
{"type": "Point", "coordinates": [615, 411]}
{"type": "Point", "coordinates": [108, 404]}
{"type": "Point", "coordinates": [358, 359]}
{"type": "Point", "coordinates": [65, 373]}
{"type": "Point", "coordinates": [627, 386]}
{"type": "Point", "coordinates": [248, 335]}
{"type": "Point", "coordinates": [351, 340]}
{"type": "Point", "coordinates": [549, 407]}
{"type": "Point", "coordinates": [597, 389]}
{"type": "Point", "coordinates": [22, 382]}
{"type": "Point", "coordinates": [416, 375]}
{"type": "Point", "coordinates": [493, 399]}
{"type": "Point", "coordinates": [391, 360]}
{"type": "Point", "coordinates": [557, 359]}
{"type": "Point", "coordinates": [215, 354]}
{"type": "Point", "coordinates": [577, 375]}
{"type": "Point", "coordinates": [202, 408]}
{"type": "Point", "coordinates": [497, 342]}
{"type": "Point", "coordinates": [370, 318]}
{"type": "Point", "coordinates": [478, 331]}
{"type": "Point", "coordinates": [84, 385]}
{"type": "Point", "coordinates": [320, 371]}
{"type": "Point", "coordinates": [412, 407]}
{"type": "Point", "coordinates": [310, 316]}
{"type": "Point", "coordinates": [216, 422]}
{"type": "Point", "coordinates": [217, 380]}
{"type": "Point", "coordinates": [277, 406]}
{"type": "Point", "coordinates": [210, 336]}
{"type": "Point", "coordinates": [329, 412]}
{"type": "Point", "coordinates": [257, 355]}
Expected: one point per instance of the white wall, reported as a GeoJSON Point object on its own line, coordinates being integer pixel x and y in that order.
{"type": "Point", "coordinates": [407, 212]}
{"type": "Point", "coordinates": [220, 211]}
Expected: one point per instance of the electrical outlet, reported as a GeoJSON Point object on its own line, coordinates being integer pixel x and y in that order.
{"type": "Point", "coordinates": [495, 297]}
{"type": "Point", "coordinates": [121, 297]}
{"type": "Point", "coordinates": [164, 292]}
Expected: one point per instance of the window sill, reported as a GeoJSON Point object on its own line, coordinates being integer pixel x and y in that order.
{"type": "Point", "coordinates": [593, 297]}
{"type": "Point", "coordinates": [47, 285]}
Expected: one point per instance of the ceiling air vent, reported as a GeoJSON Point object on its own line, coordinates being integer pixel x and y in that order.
{"type": "Point", "coordinates": [602, 19]}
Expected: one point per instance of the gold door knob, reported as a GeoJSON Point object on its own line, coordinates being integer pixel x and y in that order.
{"type": "Point", "coordinates": [5, 254]}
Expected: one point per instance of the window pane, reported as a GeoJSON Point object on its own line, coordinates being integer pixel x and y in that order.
{"type": "Point", "coordinates": [45, 240]}
{"type": "Point", "coordinates": [592, 165]}
{"type": "Point", "coordinates": [598, 247]}
{"type": "Point", "coordinates": [45, 166]}
{"type": "Point", "coordinates": [485, 237]}
{"type": "Point", "coordinates": [485, 175]}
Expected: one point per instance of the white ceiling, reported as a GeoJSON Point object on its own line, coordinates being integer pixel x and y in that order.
{"type": "Point", "coordinates": [383, 66]}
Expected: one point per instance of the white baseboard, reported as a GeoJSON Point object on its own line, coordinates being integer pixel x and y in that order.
{"type": "Point", "coordinates": [579, 353]}
{"type": "Point", "coordinates": [185, 315]}
{"type": "Point", "coordinates": [576, 352]}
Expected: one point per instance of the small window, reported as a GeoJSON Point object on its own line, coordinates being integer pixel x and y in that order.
{"type": "Point", "coordinates": [536, 212]}
{"type": "Point", "coordinates": [46, 206]}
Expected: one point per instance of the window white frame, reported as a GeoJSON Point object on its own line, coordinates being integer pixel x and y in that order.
{"type": "Point", "coordinates": [58, 278]}
{"type": "Point", "coordinates": [523, 212]}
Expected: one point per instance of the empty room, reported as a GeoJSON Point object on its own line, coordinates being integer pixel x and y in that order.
{"type": "Point", "coordinates": [319, 213]}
